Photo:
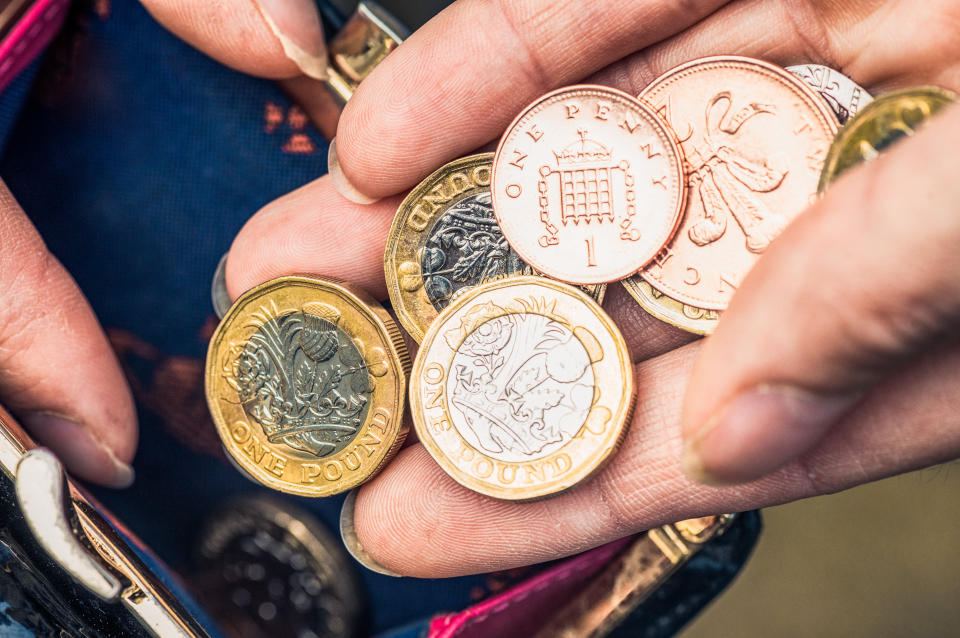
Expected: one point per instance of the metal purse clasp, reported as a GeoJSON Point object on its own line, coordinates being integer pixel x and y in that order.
{"type": "Point", "coordinates": [62, 534]}
{"type": "Point", "coordinates": [364, 41]}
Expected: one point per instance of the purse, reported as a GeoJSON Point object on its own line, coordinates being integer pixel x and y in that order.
{"type": "Point", "coordinates": [164, 169]}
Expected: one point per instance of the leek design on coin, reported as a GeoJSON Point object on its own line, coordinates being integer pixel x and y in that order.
{"type": "Point", "coordinates": [522, 388]}
{"type": "Point", "coordinates": [305, 380]}
{"type": "Point", "coordinates": [880, 124]}
{"type": "Point", "coordinates": [587, 184]}
{"type": "Point", "coordinates": [754, 139]}
{"type": "Point", "coordinates": [844, 96]}
{"type": "Point", "coordinates": [444, 239]}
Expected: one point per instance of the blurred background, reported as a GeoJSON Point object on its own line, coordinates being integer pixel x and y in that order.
{"type": "Point", "coordinates": [881, 560]}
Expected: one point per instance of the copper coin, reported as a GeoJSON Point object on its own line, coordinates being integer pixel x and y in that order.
{"type": "Point", "coordinates": [754, 139]}
{"type": "Point", "coordinates": [587, 184]}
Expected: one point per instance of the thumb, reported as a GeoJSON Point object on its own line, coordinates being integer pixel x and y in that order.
{"type": "Point", "coordinates": [867, 277]}
{"type": "Point", "coordinates": [277, 39]}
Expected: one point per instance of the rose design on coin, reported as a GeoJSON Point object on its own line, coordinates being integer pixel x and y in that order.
{"type": "Point", "coordinates": [522, 386]}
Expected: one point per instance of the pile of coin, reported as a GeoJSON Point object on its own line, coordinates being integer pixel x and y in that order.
{"type": "Point", "coordinates": [496, 264]}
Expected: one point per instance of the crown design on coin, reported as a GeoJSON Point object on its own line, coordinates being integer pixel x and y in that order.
{"type": "Point", "coordinates": [584, 153]}
{"type": "Point", "coordinates": [586, 171]}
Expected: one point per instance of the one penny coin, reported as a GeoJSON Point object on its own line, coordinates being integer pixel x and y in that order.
{"type": "Point", "coordinates": [587, 184]}
{"type": "Point", "coordinates": [754, 139]}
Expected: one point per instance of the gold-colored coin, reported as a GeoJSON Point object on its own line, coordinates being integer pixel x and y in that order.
{"type": "Point", "coordinates": [305, 379]}
{"type": "Point", "coordinates": [880, 124]}
{"type": "Point", "coordinates": [522, 388]}
{"type": "Point", "coordinates": [665, 308]}
{"type": "Point", "coordinates": [445, 239]}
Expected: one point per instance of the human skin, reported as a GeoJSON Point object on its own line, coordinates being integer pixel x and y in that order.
{"type": "Point", "coordinates": [834, 364]}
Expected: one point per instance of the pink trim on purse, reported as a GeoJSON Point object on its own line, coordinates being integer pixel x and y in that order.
{"type": "Point", "coordinates": [541, 596]}
{"type": "Point", "coordinates": [28, 38]}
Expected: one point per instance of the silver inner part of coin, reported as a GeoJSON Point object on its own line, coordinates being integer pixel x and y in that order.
{"type": "Point", "coordinates": [844, 96]}
{"type": "Point", "coordinates": [303, 380]}
{"type": "Point", "coordinates": [520, 387]}
{"type": "Point", "coordinates": [466, 248]}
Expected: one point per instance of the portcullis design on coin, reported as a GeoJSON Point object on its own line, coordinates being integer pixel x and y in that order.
{"type": "Point", "coordinates": [444, 239]}
{"type": "Point", "coordinates": [754, 138]}
{"type": "Point", "coordinates": [587, 184]}
{"type": "Point", "coordinates": [305, 381]}
{"type": "Point", "coordinates": [522, 388]}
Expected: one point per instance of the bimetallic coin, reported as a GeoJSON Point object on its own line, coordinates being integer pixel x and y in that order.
{"type": "Point", "coordinates": [444, 239]}
{"type": "Point", "coordinates": [218, 288]}
{"type": "Point", "coordinates": [844, 96]}
{"type": "Point", "coordinates": [522, 388]}
{"type": "Point", "coordinates": [305, 380]}
{"type": "Point", "coordinates": [880, 124]}
{"type": "Point", "coordinates": [690, 318]}
{"type": "Point", "coordinates": [587, 184]}
{"type": "Point", "coordinates": [754, 138]}
{"type": "Point", "coordinates": [265, 568]}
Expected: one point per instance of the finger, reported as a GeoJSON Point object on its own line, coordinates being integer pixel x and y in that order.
{"type": "Point", "coordinates": [267, 38]}
{"type": "Point", "coordinates": [646, 336]}
{"type": "Point", "coordinates": [415, 520]}
{"type": "Point", "coordinates": [459, 80]}
{"type": "Point", "coordinates": [313, 230]}
{"type": "Point", "coordinates": [58, 374]}
{"type": "Point", "coordinates": [857, 284]}
{"type": "Point", "coordinates": [436, 111]}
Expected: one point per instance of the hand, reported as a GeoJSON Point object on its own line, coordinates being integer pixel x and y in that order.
{"type": "Point", "coordinates": [58, 374]}
{"type": "Point", "coordinates": [833, 365]}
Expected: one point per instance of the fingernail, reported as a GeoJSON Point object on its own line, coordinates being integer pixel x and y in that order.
{"type": "Point", "coordinates": [759, 431]}
{"type": "Point", "coordinates": [349, 536]}
{"type": "Point", "coordinates": [81, 452]}
{"type": "Point", "coordinates": [340, 181]}
{"type": "Point", "coordinates": [218, 288]}
{"type": "Point", "coordinates": [296, 24]}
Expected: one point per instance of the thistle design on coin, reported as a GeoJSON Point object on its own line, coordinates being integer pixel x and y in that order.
{"type": "Point", "coordinates": [522, 388]}
{"type": "Point", "coordinates": [445, 240]}
{"type": "Point", "coordinates": [587, 184]}
{"type": "Point", "coordinates": [305, 381]}
{"type": "Point", "coordinates": [302, 379]}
